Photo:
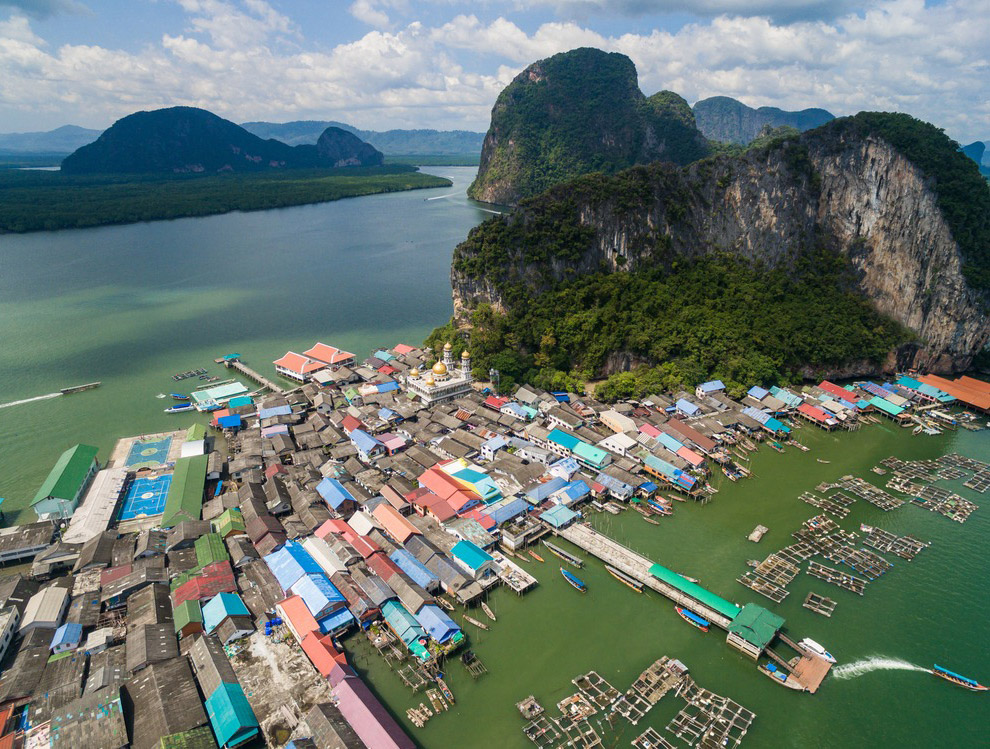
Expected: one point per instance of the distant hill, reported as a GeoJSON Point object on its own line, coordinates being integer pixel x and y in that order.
{"type": "Point", "coordinates": [727, 120]}
{"type": "Point", "coordinates": [405, 142]}
{"type": "Point", "coordinates": [574, 113]}
{"type": "Point", "coordinates": [182, 140]}
{"type": "Point", "coordinates": [65, 139]}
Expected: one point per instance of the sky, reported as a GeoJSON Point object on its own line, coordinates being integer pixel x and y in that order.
{"type": "Point", "coordinates": [380, 64]}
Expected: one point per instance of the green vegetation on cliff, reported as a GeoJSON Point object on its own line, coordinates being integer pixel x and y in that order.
{"type": "Point", "coordinates": [574, 113]}
{"type": "Point", "coordinates": [716, 317]}
{"type": "Point", "coordinates": [38, 200]}
{"type": "Point", "coordinates": [962, 193]}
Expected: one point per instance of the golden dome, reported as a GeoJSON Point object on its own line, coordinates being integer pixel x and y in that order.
{"type": "Point", "coordinates": [429, 379]}
{"type": "Point", "coordinates": [439, 368]}
{"type": "Point", "coordinates": [447, 346]}
{"type": "Point", "coordinates": [414, 372]}
{"type": "Point", "coordinates": [465, 354]}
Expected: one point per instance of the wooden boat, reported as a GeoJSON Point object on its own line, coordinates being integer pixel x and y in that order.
{"type": "Point", "coordinates": [80, 388]}
{"type": "Point", "coordinates": [575, 581]}
{"type": "Point", "coordinates": [659, 507]}
{"type": "Point", "coordinates": [690, 579]}
{"type": "Point", "coordinates": [781, 677]}
{"type": "Point", "coordinates": [625, 579]}
{"type": "Point", "coordinates": [731, 475]}
{"type": "Point", "coordinates": [475, 622]}
{"type": "Point", "coordinates": [776, 446]}
{"type": "Point", "coordinates": [179, 397]}
{"type": "Point", "coordinates": [535, 556]}
{"type": "Point", "coordinates": [446, 690]}
{"type": "Point", "coordinates": [676, 497]}
{"type": "Point", "coordinates": [488, 612]}
{"type": "Point", "coordinates": [566, 556]}
{"type": "Point", "coordinates": [445, 603]}
{"type": "Point", "coordinates": [823, 461]}
{"type": "Point", "coordinates": [650, 520]}
{"type": "Point", "coordinates": [959, 681]}
{"type": "Point", "coordinates": [692, 618]}
{"type": "Point", "coordinates": [436, 700]}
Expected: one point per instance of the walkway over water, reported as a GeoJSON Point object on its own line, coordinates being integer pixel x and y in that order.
{"type": "Point", "coordinates": [636, 565]}
{"type": "Point", "coordinates": [245, 370]}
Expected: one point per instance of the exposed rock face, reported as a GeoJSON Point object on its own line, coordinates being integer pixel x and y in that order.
{"type": "Point", "coordinates": [857, 195]}
{"type": "Point", "coordinates": [340, 148]}
{"type": "Point", "coordinates": [574, 113]}
{"type": "Point", "coordinates": [727, 120]}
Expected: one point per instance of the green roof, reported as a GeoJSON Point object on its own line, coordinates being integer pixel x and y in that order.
{"type": "Point", "coordinates": [185, 495]}
{"type": "Point", "coordinates": [756, 625]}
{"type": "Point", "coordinates": [68, 474]}
{"type": "Point", "coordinates": [590, 453]}
{"type": "Point", "coordinates": [210, 548]}
{"type": "Point", "coordinates": [230, 521]}
{"type": "Point", "coordinates": [197, 738]}
{"type": "Point", "coordinates": [706, 597]}
{"type": "Point", "coordinates": [196, 432]}
{"type": "Point", "coordinates": [187, 613]}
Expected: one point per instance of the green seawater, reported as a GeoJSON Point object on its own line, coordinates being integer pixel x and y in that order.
{"type": "Point", "coordinates": [932, 609]}
{"type": "Point", "coordinates": [131, 305]}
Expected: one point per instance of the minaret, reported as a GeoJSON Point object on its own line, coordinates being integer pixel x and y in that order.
{"type": "Point", "coordinates": [448, 356]}
{"type": "Point", "coordinates": [466, 363]}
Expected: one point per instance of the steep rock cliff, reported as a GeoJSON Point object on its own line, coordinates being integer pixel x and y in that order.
{"type": "Point", "coordinates": [834, 187]}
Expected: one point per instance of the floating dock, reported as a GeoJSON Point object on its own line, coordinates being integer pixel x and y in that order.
{"type": "Point", "coordinates": [819, 604]}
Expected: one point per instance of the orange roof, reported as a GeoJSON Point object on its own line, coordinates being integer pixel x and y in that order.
{"type": "Point", "coordinates": [322, 653]}
{"type": "Point", "coordinates": [960, 390]}
{"type": "Point", "coordinates": [328, 354]}
{"type": "Point", "coordinates": [439, 482]}
{"type": "Point", "coordinates": [395, 524]}
{"type": "Point", "coordinates": [295, 610]}
{"type": "Point", "coordinates": [298, 363]}
{"type": "Point", "coordinates": [974, 384]}
{"type": "Point", "coordinates": [218, 414]}
{"type": "Point", "coordinates": [403, 348]}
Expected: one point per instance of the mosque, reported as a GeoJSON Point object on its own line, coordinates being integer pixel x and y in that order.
{"type": "Point", "coordinates": [442, 382]}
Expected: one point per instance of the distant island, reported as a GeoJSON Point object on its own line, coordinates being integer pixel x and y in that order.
{"type": "Point", "coordinates": [182, 161]}
{"type": "Point", "coordinates": [727, 120]}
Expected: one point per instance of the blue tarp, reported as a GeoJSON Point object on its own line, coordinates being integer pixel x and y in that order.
{"type": "Point", "coordinates": [417, 571]}
{"type": "Point", "coordinates": [436, 622]}
{"type": "Point", "coordinates": [336, 622]}
{"type": "Point", "coordinates": [333, 492]}
{"type": "Point", "coordinates": [290, 563]}
{"type": "Point", "coordinates": [267, 413]}
{"type": "Point", "coordinates": [561, 397]}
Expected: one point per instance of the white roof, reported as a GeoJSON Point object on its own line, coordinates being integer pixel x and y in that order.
{"type": "Point", "coordinates": [618, 443]}
{"type": "Point", "coordinates": [362, 523]}
{"type": "Point", "coordinates": [323, 555]}
{"type": "Point", "coordinates": [45, 607]}
{"type": "Point", "coordinates": [191, 449]}
{"type": "Point", "coordinates": [93, 516]}
{"type": "Point", "coordinates": [623, 422]}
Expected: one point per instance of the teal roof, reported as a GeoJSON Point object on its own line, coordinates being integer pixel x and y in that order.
{"type": "Point", "coordinates": [706, 597]}
{"type": "Point", "coordinates": [756, 625]}
{"type": "Point", "coordinates": [594, 455]}
{"type": "Point", "coordinates": [220, 607]}
{"type": "Point", "coordinates": [231, 715]}
{"type": "Point", "coordinates": [68, 474]}
{"type": "Point", "coordinates": [886, 406]}
{"type": "Point", "coordinates": [471, 554]}
{"type": "Point", "coordinates": [563, 439]}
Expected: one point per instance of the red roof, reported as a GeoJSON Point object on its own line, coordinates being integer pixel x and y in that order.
{"type": "Point", "coordinates": [328, 354]}
{"type": "Point", "coordinates": [114, 573]}
{"type": "Point", "coordinates": [966, 389]}
{"type": "Point", "coordinates": [649, 430]}
{"type": "Point", "coordinates": [494, 402]}
{"type": "Point", "coordinates": [401, 349]}
{"type": "Point", "coordinates": [364, 546]}
{"type": "Point", "coordinates": [382, 566]}
{"type": "Point", "coordinates": [439, 482]}
{"type": "Point", "coordinates": [421, 496]}
{"type": "Point", "coordinates": [386, 369]}
{"type": "Point", "coordinates": [833, 389]}
{"type": "Point", "coordinates": [214, 578]}
{"type": "Point", "coordinates": [350, 423]}
{"type": "Point", "coordinates": [815, 413]}
{"type": "Point", "coordinates": [294, 609]}
{"type": "Point", "coordinates": [334, 526]}
{"type": "Point", "coordinates": [322, 653]}
{"type": "Point", "coordinates": [298, 363]}
{"type": "Point", "coordinates": [459, 499]}
{"type": "Point", "coordinates": [484, 520]}
{"type": "Point", "coordinates": [273, 469]}
{"type": "Point", "coordinates": [691, 456]}
{"type": "Point", "coordinates": [441, 510]}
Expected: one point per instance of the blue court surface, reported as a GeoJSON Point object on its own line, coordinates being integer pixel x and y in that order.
{"type": "Point", "coordinates": [145, 496]}
{"type": "Point", "coordinates": [149, 454]}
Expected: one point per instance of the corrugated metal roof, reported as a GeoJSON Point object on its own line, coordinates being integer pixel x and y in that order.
{"type": "Point", "coordinates": [706, 597]}
{"type": "Point", "coordinates": [220, 607]}
{"type": "Point", "coordinates": [231, 715]}
{"type": "Point", "coordinates": [436, 622]}
{"type": "Point", "coordinates": [756, 625]}
{"type": "Point", "coordinates": [319, 594]}
{"type": "Point", "coordinates": [68, 474]}
{"type": "Point", "coordinates": [185, 495]}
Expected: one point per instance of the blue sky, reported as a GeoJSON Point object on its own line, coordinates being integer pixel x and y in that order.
{"type": "Point", "coordinates": [441, 63]}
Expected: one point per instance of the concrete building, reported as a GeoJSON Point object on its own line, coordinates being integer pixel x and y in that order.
{"type": "Point", "coordinates": [45, 609]}
{"type": "Point", "coordinates": [61, 491]}
{"type": "Point", "coordinates": [443, 382]}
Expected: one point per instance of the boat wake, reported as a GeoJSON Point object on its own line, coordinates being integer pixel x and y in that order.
{"type": "Point", "coordinates": [873, 663]}
{"type": "Point", "coordinates": [30, 400]}
{"type": "Point", "coordinates": [441, 197]}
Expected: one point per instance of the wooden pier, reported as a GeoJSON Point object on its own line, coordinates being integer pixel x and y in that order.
{"type": "Point", "coordinates": [239, 366]}
{"type": "Point", "coordinates": [635, 565]}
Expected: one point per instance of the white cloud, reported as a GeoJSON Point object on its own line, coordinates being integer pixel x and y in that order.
{"type": "Point", "coordinates": [244, 60]}
{"type": "Point", "coordinates": [779, 10]}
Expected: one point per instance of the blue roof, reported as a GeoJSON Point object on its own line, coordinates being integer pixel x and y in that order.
{"type": "Point", "coordinates": [576, 490]}
{"type": "Point", "coordinates": [559, 515]}
{"type": "Point", "coordinates": [231, 421]}
{"type": "Point", "coordinates": [318, 593]}
{"type": "Point", "coordinates": [516, 410]}
{"type": "Point", "coordinates": [648, 486]}
{"type": "Point", "coordinates": [757, 392]}
{"type": "Point", "coordinates": [240, 400]}
{"type": "Point", "coordinates": [267, 413]}
{"type": "Point", "coordinates": [69, 633]}
{"type": "Point", "coordinates": [686, 406]}
{"type": "Point", "coordinates": [436, 622]}
{"type": "Point", "coordinates": [541, 491]}
{"type": "Point", "coordinates": [220, 607]}
{"type": "Point", "coordinates": [669, 442]}
{"type": "Point", "coordinates": [712, 386]}
{"type": "Point", "coordinates": [291, 562]}
{"type": "Point", "coordinates": [418, 572]}
{"type": "Point", "coordinates": [388, 387]}
{"type": "Point", "coordinates": [333, 492]}
{"type": "Point", "coordinates": [230, 714]}
{"type": "Point", "coordinates": [621, 488]}
{"type": "Point", "coordinates": [561, 397]}
{"type": "Point", "coordinates": [567, 465]}
{"type": "Point", "coordinates": [506, 511]}
{"type": "Point", "coordinates": [563, 439]}
{"type": "Point", "coordinates": [338, 620]}
{"type": "Point", "coordinates": [495, 443]}
{"type": "Point", "coordinates": [404, 624]}
{"type": "Point", "coordinates": [386, 414]}
{"type": "Point", "coordinates": [364, 441]}
{"type": "Point", "coordinates": [471, 554]}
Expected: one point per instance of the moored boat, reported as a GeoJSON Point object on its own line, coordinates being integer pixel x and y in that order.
{"type": "Point", "coordinates": [808, 644]}
{"type": "Point", "coordinates": [780, 676]}
{"type": "Point", "coordinates": [650, 520]}
{"type": "Point", "coordinates": [566, 556]}
{"type": "Point", "coordinates": [535, 556]}
{"type": "Point", "coordinates": [475, 622]}
{"type": "Point", "coordinates": [692, 618]}
{"type": "Point", "coordinates": [574, 580]}
{"type": "Point", "coordinates": [179, 408]}
{"type": "Point", "coordinates": [625, 579]}
{"type": "Point", "coordinates": [959, 681]}
{"type": "Point", "coordinates": [676, 497]}
{"type": "Point", "coordinates": [488, 612]}
{"type": "Point", "coordinates": [823, 461]}
{"type": "Point", "coordinates": [445, 689]}
{"type": "Point", "coordinates": [659, 507]}
{"type": "Point", "coordinates": [445, 603]}
{"type": "Point", "coordinates": [179, 397]}
{"type": "Point", "coordinates": [776, 446]}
